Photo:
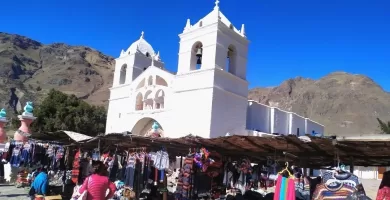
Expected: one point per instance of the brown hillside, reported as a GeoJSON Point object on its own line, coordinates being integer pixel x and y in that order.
{"type": "Point", "coordinates": [346, 104]}
{"type": "Point", "coordinates": [28, 69]}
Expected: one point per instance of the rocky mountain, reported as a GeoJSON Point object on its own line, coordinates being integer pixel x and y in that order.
{"type": "Point", "coordinates": [28, 69]}
{"type": "Point", "coordinates": [346, 104]}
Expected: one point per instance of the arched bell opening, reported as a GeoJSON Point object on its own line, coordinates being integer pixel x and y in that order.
{"type": "Point", "coordinates": [122, 76]}
{"type": "Point", "coordinates": [231, 59]}
{"type": "Point", "coordinates": [196, 56]}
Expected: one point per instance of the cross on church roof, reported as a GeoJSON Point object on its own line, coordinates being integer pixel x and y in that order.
{"type": "Point", "coordinates": [142, 34]}
{"type": "Point", "coordinates": [216, 4]}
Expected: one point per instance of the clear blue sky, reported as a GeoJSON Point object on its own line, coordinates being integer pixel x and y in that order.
{"type": "Point", "coordinates": [289, 38]}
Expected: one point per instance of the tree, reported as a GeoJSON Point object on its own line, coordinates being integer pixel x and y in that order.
{"type": "Point", "coordinates": [59, 111]}
{"type": "Point", "coordinates": [385, 127]}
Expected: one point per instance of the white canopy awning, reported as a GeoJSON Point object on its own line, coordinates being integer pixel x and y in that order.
{"type": "Point", "coordinates": [77, 136]}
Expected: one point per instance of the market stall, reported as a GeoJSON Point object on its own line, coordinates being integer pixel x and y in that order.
{"type": "Point", "coordinates": [235, 165]}
{"type": "Point", "coordinates": [22, 161]}
{"type": "Point", "coordinates": [194, 168]}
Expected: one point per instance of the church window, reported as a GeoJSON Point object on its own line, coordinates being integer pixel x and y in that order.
{"type": "Point", "coordinates": [150, 80]}
{"type": "Point", "coordinates": [148, 100]}
{"type": "Point", "coordinates": [122, 76]}
{"type": "Point", "coordinates": [231, 26]}
{"type": "Point", "coordinates": [159, 99]}
{"type": "Point", "coordinates": [147, 54]}
{"type": "Point", "coordinates": [161, 81]}
{"type": "Point", "coordinates": [141, 84]}
{"type": "Point", "coordinates": [200, 24]}
{"type": "Point", "coordinates": [139, 104]}
{"type": "Point", "coordinates": [231, 60]}
{"type": "Point", "coordinates": [196, 56]}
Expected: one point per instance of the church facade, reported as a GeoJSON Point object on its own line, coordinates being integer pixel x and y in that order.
{"type": "Point", "coordinates": [207, 96]}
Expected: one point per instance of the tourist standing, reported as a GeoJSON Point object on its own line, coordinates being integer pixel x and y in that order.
{"type": "Point", "coordinates": [98, 183]}
{"type": "Point", "coordinates": [384, 187]}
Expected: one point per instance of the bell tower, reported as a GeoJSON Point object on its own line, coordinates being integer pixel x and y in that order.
{"type": "Point", "coordinates": [213, 42]}
{"type": "Point", "coordinates": [211, 81]}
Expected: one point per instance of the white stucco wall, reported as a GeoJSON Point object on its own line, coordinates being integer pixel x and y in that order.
{"type": "Point", "coordinates": [313, 126]}
{"type": "Point", "coordinates": [366, 172]}
{"type": "Point", "coordinates": [228, 114]}
{"type": "Point", "coordinates": [279, 121]}
{"type": "Point", "coordinates": [297, 123]}
{"type": "Point", "coordinates": [116, 115]}
{"type": "Point", "coordinates": [192, 113]}
{"type": "Point", "coordinates": [258, 117]}
{"type": "Point", "coordinates": [211, 107]}
{"type": "Point", "coordinates": [192, 103]}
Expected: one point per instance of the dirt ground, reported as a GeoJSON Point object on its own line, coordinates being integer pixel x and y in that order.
{"type": "Point", "coordinates": [10, 192]}
{"type": "Point", "coordinates": [371, 187]}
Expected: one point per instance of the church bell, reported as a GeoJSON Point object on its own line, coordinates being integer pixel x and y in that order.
{"type": "Point", "coordinates": [199, 55]}
{"type": "Point", "coordinates": [199, 52]}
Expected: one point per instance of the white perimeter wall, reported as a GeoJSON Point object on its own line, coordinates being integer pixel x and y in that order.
{"type": "Point", "coordinates": [258, 117]}
{"type": "Point", "coordinates": [279, 121]}
{"type": "Point", "coordinates": [297, 124]}
{"type": "Point", "coordinates": [314, 126]}
{"type": "Point", "coordinates": [268, 119]}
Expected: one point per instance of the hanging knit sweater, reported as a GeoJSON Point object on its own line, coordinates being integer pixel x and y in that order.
{"type": "Point", "coordinates": [302, 186]}
{"type": "Point", "coordinates": [336, 191]}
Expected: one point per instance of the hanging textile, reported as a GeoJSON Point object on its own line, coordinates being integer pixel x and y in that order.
{"type": "Point", "coordinates": [183, 189]}
{"type": "Point", "coordinates": [302, 185]}
{"type": "Point", "coordinates": [336, 185]}
{"type": "Point", "coordinates": [76, 167]}
{"type": "Point", "coordinates": [32, 153]}
{"type": "Point", "coordinates": [285, 186]}
{"type": "Point", "coordinates": [161, 162]}
{"type": "Point", "coordinates": [285, 189]}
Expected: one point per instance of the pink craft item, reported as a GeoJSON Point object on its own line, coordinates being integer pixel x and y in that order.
{"type": "Point", "coordinates": [24, 127]}
{"type": "Point", "coordinates": [3, 134]}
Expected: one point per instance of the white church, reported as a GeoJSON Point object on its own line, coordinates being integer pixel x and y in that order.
{"type": "Point", "coordinates": [207, 97]}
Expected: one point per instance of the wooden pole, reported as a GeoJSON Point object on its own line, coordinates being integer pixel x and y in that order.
{"type": "Point", "coordinates": [165, 194]}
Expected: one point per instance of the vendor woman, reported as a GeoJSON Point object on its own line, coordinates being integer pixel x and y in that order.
{"type": "Point", "coordinates": [40, 184]}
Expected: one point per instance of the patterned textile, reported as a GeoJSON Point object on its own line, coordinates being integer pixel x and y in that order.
{"type": "Point", "coordinates": [76, 168]}
{"type": "Point", "coordinates": [302, 185]}
{"type": "Point", "coordinates": [347, 178]}
{"type": "Point", "coordinates": [184, 180]}
{"type": "Point", "coordinates": [383, 194]}
{"type": "Point", "coordinates": [336, 191]}
{"type": "Point", "coordinates": [161, 160]}
{"type": "Point", "coordinates": [285, 189]}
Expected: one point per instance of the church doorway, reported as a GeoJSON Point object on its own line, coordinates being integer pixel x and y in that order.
{"type": "Point", "coordinates": [148, 127]}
